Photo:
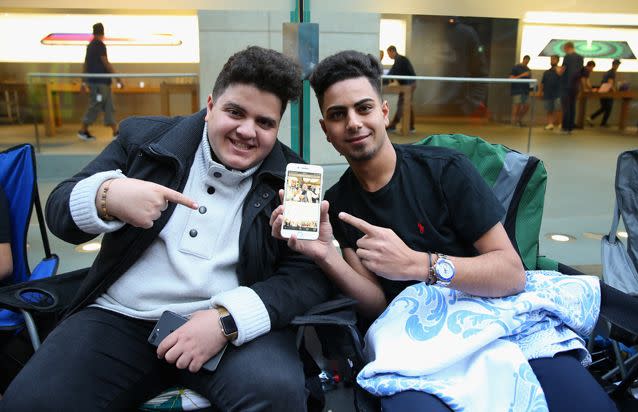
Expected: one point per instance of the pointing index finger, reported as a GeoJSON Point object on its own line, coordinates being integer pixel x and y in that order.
{"type": "Point", "coordinates": [360, 224]}
{"type": "Point", "coordinates": [176, 197]}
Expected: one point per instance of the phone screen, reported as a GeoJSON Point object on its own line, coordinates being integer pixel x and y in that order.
{"type": "Point", "coordinates": [302, 199]}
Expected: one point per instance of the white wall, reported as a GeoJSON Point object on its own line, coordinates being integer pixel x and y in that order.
{"type": "Point", "coordinates": [339, 31]}
{"type": "Point", "coordinates": [222, 33]}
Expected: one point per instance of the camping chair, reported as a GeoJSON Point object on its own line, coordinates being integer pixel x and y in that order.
{"type": "Point", "coordinates": [518, 181]}
{"type": "Point", "coordinates": [620, 265]}
{"type": "Point", "coordinates": [19, 181]}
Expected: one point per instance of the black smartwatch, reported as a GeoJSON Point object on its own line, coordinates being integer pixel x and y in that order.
{"type": "Point", "coordinates": [227, 323]}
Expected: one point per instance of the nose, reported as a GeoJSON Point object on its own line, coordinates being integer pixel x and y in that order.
{"type": "Point", "coordinates": [354, 122]}
{"type": "Point", "coordinates": [247, 129]}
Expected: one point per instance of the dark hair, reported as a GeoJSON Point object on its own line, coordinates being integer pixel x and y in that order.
{"type": "Point", "coordinates": [266, 69]}
{"type": "Point", "coordinates": [555, 56]}
{"type": "Point", "coordinates": [591, 63]}
{"type": "Point", "coordinates": [615, 62]}
{"type": "Point", "coordinates": [527, 57]}
{"type": "Point", "coordinates": [348, 64]}
{"type": "Point", "coordinates": [98, 29]}
{"type": "Point", "coordinates": [392, 49]}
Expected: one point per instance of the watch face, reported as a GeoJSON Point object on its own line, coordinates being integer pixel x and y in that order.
{"type": "Point", "coordinates": [228, 324]}
{"type": "Point", "coordinates": [445, 270]}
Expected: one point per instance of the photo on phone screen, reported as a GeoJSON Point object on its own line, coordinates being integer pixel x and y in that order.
{"type": "Point", "coordinates": [302, 201]}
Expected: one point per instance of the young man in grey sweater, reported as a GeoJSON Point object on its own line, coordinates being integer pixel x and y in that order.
{"type": "Point", "coordinates": [184, 205]}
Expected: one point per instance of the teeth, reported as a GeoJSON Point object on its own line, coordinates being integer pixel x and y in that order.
{"type": "Point", "coordinates": [241, 145]}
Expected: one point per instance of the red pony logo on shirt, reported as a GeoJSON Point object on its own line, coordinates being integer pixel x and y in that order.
{"type": "Point", "coordinates": [421, 228]}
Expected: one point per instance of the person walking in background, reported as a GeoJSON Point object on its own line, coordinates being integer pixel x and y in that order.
{"type": "Point", "coordinates": [570, 73]}
{"type": "Point", "coordinates": [520, 91]}
{"type": "Point", "coordinates": [550, 89]}
{"type": "Point", "coordinates": [100, 97]}
{"type": "Point", "coordinates": [607, 85]}
{"type": "Point", "coordinates": [402, 67]}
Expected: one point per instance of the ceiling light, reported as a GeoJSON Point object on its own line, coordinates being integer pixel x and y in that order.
{"type": "Point", "coordinates": [560, 237]}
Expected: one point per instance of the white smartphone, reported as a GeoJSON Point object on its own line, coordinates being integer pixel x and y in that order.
{"type": "Point", "coordinates": [302, 201]}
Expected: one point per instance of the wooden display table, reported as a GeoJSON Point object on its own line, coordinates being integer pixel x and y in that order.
{"type": "Point", "coordinates": [407, 104]}
{"type": "Point", "coordinates": [625, 96]}
{"type": "Point", "coordinates": [51, 108]}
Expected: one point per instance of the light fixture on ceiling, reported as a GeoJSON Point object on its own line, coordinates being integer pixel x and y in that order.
{"type": "Point", "coordinates": [560, 237]}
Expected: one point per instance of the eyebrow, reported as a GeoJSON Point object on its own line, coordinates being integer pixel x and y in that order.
{"type": "Point", "coordinates": [261, 118]}
{"type": "Point", "coordinates": [341, 107]}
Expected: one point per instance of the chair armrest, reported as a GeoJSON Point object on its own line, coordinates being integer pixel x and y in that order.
{"type": "Point", "coordinates": [52, 294]}
{"type": "Point", "coordinates": [46, 268]}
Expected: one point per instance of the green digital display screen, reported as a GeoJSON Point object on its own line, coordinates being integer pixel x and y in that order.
{"type": "Point", "coordinates": [599, 49]}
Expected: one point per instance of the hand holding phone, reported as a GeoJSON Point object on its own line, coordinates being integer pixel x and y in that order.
{"type": "Point", "coordinates": [302, 201]}
{"type": "Point", "coordinates": [168, 323]}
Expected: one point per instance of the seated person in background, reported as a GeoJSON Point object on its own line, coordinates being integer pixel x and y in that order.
{"type": "Point", "coordinates": [6, 258]}
{"type": "Point", "coordinates": [184, 203]}
{"type": "Point", "coordinates": [395, 206]}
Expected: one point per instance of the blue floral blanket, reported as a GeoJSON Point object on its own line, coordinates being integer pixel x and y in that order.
{"type": "Point", "coordinates": [472, 352]}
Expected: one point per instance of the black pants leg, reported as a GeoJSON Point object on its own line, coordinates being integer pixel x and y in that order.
{"type": "Point", "coordinates": [606, 105]}
{"type": "Point", "coordinates": [265, 374]}
{"type": "Point", "coordinates": [567, 385]}
{"type": "Point", "coordinates": [568, 103]}
{"type": "Point", "coordinates": [95, 360]}
{"type": "Point", "coordinates": [98, 360]}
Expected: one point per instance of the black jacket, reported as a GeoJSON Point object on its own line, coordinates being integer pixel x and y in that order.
{"type": "Point", "coordinates": [161, 150]}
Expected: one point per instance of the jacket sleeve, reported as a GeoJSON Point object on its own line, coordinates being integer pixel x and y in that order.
{"type": "Point", "coordinates": [58, 211]}
{"type": "Point", "coordinates": [297, 285]}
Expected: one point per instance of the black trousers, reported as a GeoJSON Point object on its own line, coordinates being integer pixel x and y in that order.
{"type": "Point", "coordinates": [568, 103]}
{"type": "Point", "coordinates": [567, 385]}
{"type": "Point", "coordinates": [605, 109]}
{"type": "Point", "coordinates": [98, 360]}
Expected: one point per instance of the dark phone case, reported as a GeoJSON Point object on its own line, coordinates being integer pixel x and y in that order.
{"type": "Point", "coordinates": [167, 324]}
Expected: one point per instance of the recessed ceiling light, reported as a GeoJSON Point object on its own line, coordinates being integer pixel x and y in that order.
{"type": "Point", "coordinates": [88, 247]}
{"type": "Point", "coordinates": [560, 237]}
{"type": "Point", "coordinates": [623, 235]}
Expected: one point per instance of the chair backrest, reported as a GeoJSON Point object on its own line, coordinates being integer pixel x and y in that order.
{"type": "Point", "coordinates": [19, 181]}
{"type": "Point", "coordinates": [620, 265]}
{"type": "Point", "coordinates": [518, 181]}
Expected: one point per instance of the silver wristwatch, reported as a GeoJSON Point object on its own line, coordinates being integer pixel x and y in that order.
{"type": "Point", "coordinates": [444, 270]}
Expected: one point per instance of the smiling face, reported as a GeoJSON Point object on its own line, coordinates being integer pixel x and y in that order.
{"type": "Point", "coordinates": [354, 119]}
{"type": "Point", "coordinates": [243, 125]}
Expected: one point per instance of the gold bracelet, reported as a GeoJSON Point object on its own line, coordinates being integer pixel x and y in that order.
{"type": "Point", "coordinates": [105, 189]}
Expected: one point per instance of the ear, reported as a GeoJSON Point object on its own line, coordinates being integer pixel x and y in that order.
{"type": "Point", "coordinates": [385, 109]}
{"type": "Point", "coordinates": [323, 127]}
{"type": "Point", "coordinates": [209, 107]}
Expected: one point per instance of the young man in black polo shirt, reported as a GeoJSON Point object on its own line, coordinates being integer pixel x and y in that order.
{"type": "Point", "coordinates": [520, 91]}
{"type": "Point", "coordinates": [405, 214]}
{"type": "Point", "coordinates": [550, 89]}
{"type": "Point", "coordinates": [606, 104]}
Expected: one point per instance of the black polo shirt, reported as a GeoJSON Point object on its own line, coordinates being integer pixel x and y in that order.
{"type": "Point", "coordinates": [551, 84]}
{"type": "Point", "coordinates": [93, 60]}
{"type": "Point", "coordinates": [435, 201]}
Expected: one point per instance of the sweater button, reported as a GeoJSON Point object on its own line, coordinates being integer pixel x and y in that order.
{"type": "Point", "coordinates": [202, 209]}
{"type": "Point", "coordinates": [217, 174]}
{"type": "Point", "coordinates": [210, 190]}
{"type": "Point", "coordinates": [192, 233]}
